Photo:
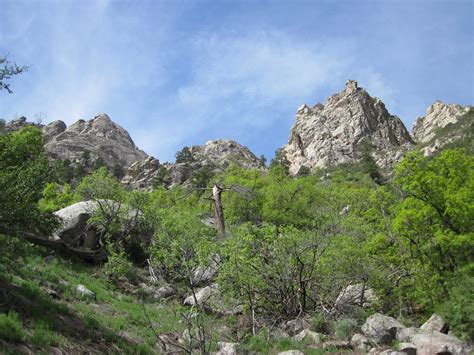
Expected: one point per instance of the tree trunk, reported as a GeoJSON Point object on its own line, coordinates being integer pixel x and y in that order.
{"type": "Point", "coordinates": [219, 213]}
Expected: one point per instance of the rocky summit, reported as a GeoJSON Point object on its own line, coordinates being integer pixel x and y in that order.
{"type": "Point", "coordinates": [213, 156]}
{"type": "Point", "coordinates": [88, 143]}
{"type": "Point", "coordinates": [330, 134]}
{"type": "Point", "coordinates": [438, 115]}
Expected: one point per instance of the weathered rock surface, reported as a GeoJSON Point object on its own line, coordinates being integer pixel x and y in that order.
{"type": "Point", "coordinates": [225, 348]}
{"type": "Point", "coordinates": [358, 295]}
{"type": "Point", "coordinates": [214, 156]}
{"type": "Point", "coordinates": [327, 135]}
{"type": "Point", "coordinates": [361, 342]}
{"type": "Point", "coordinates": [211, 299]}
{"type": "Point", "coordinates": [381, 329]}
{"type": "Point", "coordinates": [314, 337]}
{"type": "Point", "coordinates": [84, 292]}
{"type": "Point", "coordinates": [438, 343]}
{"type": "Point", "coordinates": [74, 229]}
{"type": "Point", "coordinates": [99, 140]}
{"type": "Point", "coordinates": [438, 115]}
{"type": "Point", "coordinates": [437, 323]}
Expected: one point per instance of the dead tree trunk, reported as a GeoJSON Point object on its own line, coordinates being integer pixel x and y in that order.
{"type": "Point", "coordinates": [219, 213]}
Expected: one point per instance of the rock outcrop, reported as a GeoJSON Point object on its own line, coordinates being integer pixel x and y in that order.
{"type": "Point", "coordinates": [214, 156]}
{"type": "Point", "coordinates": [91, 143]}
{"type": "Point", "coordinates": [438, 115]}
{"type": "Point", "coordinates": [330, 134]}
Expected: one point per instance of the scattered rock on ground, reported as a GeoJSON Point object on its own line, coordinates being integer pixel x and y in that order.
{"type": "Point", "coordinates": [295, 326]}
{"type": "Point", "coordinates": [337, 344]}
{"type": "Point", "coordinates": [360, 342]}
{"type": "Point", "coordinates": [83, 291]}
{"type": "Point", "coordinates": [381, 329]}
{"type": "Point", "coordinates": [291, 352]}
{"type": "Point", "coordinates": [308, 334]}
{"type": "Point", "coordinates": [164, 292]}
{"type": "Point", "coordinates": [227, 348]}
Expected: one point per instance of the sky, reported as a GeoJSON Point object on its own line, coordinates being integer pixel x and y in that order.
{"type": "Point", "coordinates": [177, 73]}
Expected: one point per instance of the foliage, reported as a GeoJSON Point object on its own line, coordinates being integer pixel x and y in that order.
{"type": "Point", "coordinates": [7, 70]}
{"type": "Point", "coordinates": [11, 327]}
{"type": "Point", "coordinates": [24, 171]}
{"type": "Point", "coordinates": [184, 156]}
{"type": "Point", "coordinates": [56, 197]}
{"type": "Point", "coordinates": [434, 220]}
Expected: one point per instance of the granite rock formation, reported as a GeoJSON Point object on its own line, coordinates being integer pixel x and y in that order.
{"type": "Point", "coordinates": [438, 115]}
{"type": "Point", "coordinates": [329, 134]}
{"type": "Point", "coordinates": [91, 143]}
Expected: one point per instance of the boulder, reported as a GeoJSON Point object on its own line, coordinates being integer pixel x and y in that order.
{"type": "Point", "coordinates": [407, 348]}
{"type": "Point", "coordinates": [227, 348]}
{"type": "Point", "coordinates": [355, 295]}
{"type": "Point", "coordinates": [434, 342]}
{"type": "Point", "coordinates": [314, 337]}
{"type": "Point", "coordinates": [164, 292]}
{"type": "Point", "coordinates": [84, 292]}
{"type": "Point", "coordinates": [437, 323]}
{"type": "Point", "coordinates": [205, 274]}
{"type": "Point", "coordinates": [405, 334]}
{"type": "Point", "coordinates": [296, 326]}
{"type": "Point", "coordinates": [291, 352]}
{"type": "Point", "coordinates": [212, 300]}
{"type": "Point", "coordinates": [201, 296]}
{"type": "Point", "coordinates": [381, 329]}
{"type": "Point", "coordinates": [360, 342]}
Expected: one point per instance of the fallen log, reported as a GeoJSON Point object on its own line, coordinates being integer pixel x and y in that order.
{"type": "Point", "coordinates": [97, 256]}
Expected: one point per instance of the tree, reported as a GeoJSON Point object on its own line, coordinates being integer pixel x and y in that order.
{"type": "Point", "coordinates": [24, 172]}
{"type": "Point", "coordinates": [434, 221]}
{"type": "Point", "coordinates": [7, 70]}
{"type": "Point", "coordinates": [184, 156]}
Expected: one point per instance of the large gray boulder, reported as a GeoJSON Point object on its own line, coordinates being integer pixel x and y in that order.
{"type": "Point", "coordinates": [437, 323]}
{"type": "Point", "coordinates": [434, 342]}
{"type": "Point", "coordinates": [381, 329]}
{"type": "Point", "coordinates": [329, 134]}
{"type": "Point", "coordinates": [74, 229]}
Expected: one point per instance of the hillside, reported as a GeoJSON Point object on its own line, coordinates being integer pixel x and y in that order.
{"type": "Point", "coordinates": [355, 238]}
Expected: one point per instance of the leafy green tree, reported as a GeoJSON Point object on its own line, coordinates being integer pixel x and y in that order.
{"type": "Point", "coordinates": [24, 172]}
{"type": "Point", "coordinates": [434, 221]}
{"type": "Point", "coordinates": [280, 162]}
{"type": "Point", "coordinates": [7, 70]}
{"type": "Point", "coordinates": [184, 156]}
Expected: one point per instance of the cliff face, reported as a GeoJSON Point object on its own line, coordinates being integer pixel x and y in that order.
{"type": "Point", "coordinates": [90, 142]}
{"type": "Point", "coordinates": [329, 134]}
{"type": "Point", "coordinates": [438, 115]}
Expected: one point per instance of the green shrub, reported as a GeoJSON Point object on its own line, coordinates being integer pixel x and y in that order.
{"type": "Point", "coordinates": [320, 324]}
{"type": "Point", "coordinates": [11, 327]}
{"type": "Point", "coordinates": [344, 328]}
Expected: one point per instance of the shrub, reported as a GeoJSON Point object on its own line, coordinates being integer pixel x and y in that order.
{"type": "Point", "coordinates": [11, 327]}
{"type": "Point", "coordinates": [344, 328]}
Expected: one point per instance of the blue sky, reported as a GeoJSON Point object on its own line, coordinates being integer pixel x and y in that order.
{"type": "Point", "coordinates": [181, 72]}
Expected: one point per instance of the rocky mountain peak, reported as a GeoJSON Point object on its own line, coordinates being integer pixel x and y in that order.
{"type": "Point", "coordinates": [330, 134]}
{"type": "Point", "coordinates": [99, 140]}
{"type": "Point", "coordinates": [438, 115]}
